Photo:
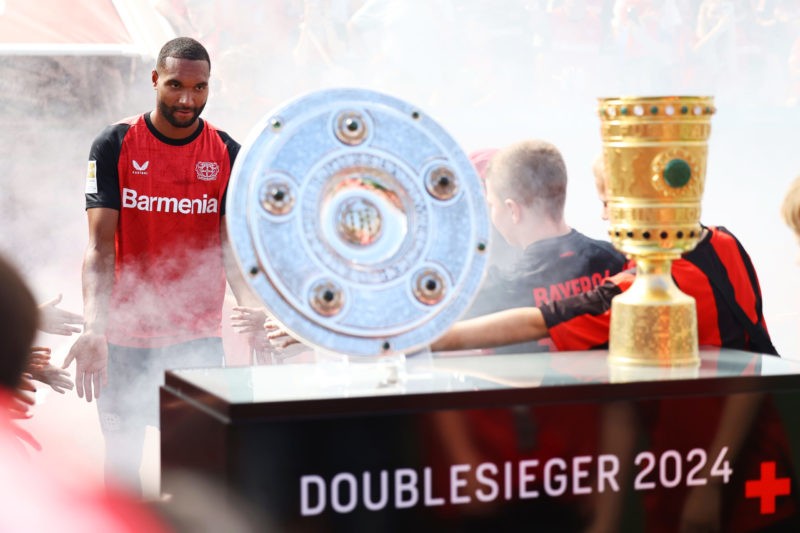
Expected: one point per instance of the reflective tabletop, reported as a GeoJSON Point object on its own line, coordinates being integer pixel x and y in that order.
{"type": "Point", "coordinates": [334, 378]}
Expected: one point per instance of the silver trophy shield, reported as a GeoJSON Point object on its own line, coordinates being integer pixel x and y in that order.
{"type": "Point", "coordinates": [358, 221]}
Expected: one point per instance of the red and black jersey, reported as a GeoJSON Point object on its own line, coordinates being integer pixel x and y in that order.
{"type": "Point", "coordinates": [549, 270]}
{"type": "Point", "coordinates": [169, 276]}
{"type": "Point", "coordinates": [718, 263]}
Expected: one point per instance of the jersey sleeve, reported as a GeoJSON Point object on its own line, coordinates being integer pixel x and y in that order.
{"type": "Point", "coordinates": [615, 260]}
{"type": "Point", "coordinates": [581, 322]}
{"type": "Point", "coordinates": [747, 286]}
{"type": "Point", "coordinates": [233, 151]}
{"type": "Point", "coordinates": [102, 177]}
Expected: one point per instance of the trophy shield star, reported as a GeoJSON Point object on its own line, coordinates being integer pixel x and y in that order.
{"type": "Point", "coordinates": [655, 151]}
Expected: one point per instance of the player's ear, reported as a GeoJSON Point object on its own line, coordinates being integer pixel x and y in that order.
{"type": "Point", "coordinates": [154, 77]}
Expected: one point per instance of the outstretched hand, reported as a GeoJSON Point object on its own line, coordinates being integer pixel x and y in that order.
{"type": "Point", "coordinates": [39, 358]}
{"type": "Point", "coordinates": [58, 321]}
{"type": "Point", "coordinates": [90, 353]}
{"type": "Point", "coordinates": [22, 398]}
{"type": "Point", "coordinates": [58, 378]}
{"type": "Point", "coordinates": [278, 337]}
{"type": "Point", "coordinates": [248, 319]}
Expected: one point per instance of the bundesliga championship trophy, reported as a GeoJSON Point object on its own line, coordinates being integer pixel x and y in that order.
{"type": "Point", "coordinates": [359, 221]}
{"type": "Point", "coordinates": [655, 151]}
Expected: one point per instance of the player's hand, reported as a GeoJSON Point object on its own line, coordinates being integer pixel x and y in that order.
{"type": "Point", "coordinates": [58, 321]}
{"type": "Point", "coordinates": [90, 353]}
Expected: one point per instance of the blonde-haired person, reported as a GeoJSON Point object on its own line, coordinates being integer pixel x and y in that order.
{"type": "Point", "coordinates": [790, 209]}
{"type": "Point", "coordinates": [599, 171]}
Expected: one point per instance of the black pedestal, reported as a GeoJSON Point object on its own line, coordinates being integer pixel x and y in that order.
{"type": "Point", "coordinates": [539, 442]}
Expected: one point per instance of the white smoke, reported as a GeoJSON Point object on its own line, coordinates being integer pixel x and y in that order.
{"type": "Point", "coordinates": [496, 73]}
{"type": "Point", "coordinates": [490, 72]}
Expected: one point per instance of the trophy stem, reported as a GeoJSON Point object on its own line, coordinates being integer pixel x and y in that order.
{"type": "Point", "coordinates": [653, 322]}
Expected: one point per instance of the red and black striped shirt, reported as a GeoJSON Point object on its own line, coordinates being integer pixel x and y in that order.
{"type": "Point", "coordinates": [582, 322]}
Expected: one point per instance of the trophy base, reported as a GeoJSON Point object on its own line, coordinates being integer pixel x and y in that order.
{"type": "Point", "coordinates": [630, 373]}
{"type": "Point", "coordinates": [653, 323]}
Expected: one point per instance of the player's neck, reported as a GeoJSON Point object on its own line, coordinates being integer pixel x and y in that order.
{"type": "Point", "coordinates": [544, 228]}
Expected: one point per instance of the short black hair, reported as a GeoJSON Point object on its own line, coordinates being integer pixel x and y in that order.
{"type": "Point", "coordinates": [183, 48]}
{"type": "Point", "coordinates": [19, 318]}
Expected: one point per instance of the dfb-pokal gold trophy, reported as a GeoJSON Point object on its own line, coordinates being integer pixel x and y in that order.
{"type": "Point", "coordinates": [655, 151]}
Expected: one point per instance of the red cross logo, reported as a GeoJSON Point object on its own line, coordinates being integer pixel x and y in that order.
{"type": "Point", "coordinates": [768, 487]}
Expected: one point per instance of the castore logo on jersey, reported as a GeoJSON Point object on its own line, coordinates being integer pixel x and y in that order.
{"type": "Point", "coordinates": [140, 168]}
{"type": "Point", "coordinates": [207, 170]}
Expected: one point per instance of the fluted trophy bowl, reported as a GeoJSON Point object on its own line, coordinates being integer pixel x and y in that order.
{"type": "Point", "coordinates": [655, 151]}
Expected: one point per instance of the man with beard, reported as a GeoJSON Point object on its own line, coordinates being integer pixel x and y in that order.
{"type": "Point", "coordinates": [155, 268]}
